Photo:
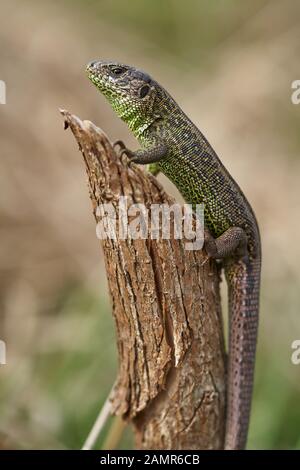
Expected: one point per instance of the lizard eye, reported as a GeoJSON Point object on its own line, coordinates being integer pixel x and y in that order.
{"type": "Point", "coordinates": [144, 91]}
{"type": "Point", "coordinates": [118, 70]}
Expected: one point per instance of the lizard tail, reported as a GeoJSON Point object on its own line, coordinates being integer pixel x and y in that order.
{"type": "Point", "coordinates": [243, 280]}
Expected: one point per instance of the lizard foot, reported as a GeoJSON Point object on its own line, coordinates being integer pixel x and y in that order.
{"type": "Point", "coordinates": [131, 158]}
{"type": "Point", "coordinates": [120, 144]}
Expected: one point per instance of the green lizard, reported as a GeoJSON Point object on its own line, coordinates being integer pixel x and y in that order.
{"type": "Point", "coordinates": [171, 143]}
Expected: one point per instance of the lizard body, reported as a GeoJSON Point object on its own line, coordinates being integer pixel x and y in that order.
{"type": "Point", "coordinates": [171, 143]}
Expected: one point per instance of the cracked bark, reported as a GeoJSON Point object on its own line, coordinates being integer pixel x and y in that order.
{"type": "Point", "coordinates": [166, 306]}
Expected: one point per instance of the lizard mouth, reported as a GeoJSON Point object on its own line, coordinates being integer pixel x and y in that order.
{"type": "Point", "coordinates": [92, 69]}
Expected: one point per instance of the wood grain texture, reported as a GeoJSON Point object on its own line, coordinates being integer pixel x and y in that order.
{"type": "Point", "coordinates": [166, 306]}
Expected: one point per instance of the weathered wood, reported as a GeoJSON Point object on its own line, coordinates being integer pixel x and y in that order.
{"type": "Point", "coordinates": [166, 306]}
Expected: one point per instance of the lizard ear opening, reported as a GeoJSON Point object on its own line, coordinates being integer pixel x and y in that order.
{"type": "Point", "coordinates": [144, 91]}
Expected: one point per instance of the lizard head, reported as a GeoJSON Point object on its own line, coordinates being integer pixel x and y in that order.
{"type": "Point", "coordinates": [131, 92]}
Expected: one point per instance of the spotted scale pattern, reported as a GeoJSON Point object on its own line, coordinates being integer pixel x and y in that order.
{"type": "Point", "coordinates": [193, 166]}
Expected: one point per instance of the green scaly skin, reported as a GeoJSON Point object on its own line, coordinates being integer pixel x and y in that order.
{"type": "Point", "coordinates": [171, 143]}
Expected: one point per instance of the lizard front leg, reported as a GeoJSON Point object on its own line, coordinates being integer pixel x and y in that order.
{"type": "Point", "coordinates": [149, 156]}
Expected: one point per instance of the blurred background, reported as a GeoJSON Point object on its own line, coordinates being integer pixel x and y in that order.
{"type": "Point", "coordinates": [230, 65]}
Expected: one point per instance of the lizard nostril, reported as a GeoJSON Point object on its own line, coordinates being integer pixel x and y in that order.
{"type": "Point", "coordinates": [91, 64]}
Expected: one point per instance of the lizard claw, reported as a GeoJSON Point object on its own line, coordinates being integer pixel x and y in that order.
{"type": "Point", "coordinates": [130, 156]}
{"type": "Point", "coordinates": [120, 144]}
{"type": "Point", "coordinates": [131, 161]}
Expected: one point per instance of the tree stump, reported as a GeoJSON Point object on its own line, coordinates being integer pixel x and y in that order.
{"type": "Point", "coordinates": [166, 307]}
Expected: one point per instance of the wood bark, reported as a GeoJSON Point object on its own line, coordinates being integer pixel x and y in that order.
{"type": "Point", "coordinates": [166, 307]}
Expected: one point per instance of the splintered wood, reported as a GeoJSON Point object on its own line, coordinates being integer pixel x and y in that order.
{"type": "Point", "coordinates": [166, 306]}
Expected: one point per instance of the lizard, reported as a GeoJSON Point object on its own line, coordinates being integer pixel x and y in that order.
{"type": "Point", "coordinates": [171, 143]}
